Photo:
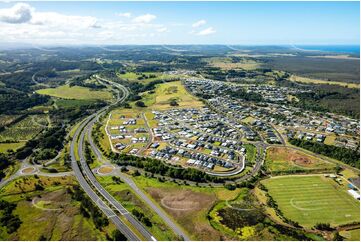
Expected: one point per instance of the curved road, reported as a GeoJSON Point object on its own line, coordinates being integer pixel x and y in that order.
{"type": "Point", "coordinates": [92, 187]}
{"type": "Point", "coordinates": [138, 191]}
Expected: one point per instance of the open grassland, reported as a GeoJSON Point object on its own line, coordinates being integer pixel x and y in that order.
{"type": "Point", "coordinates": [282, 159]}
{"type": "Point", "coordinates": [330, 139]}
{"type": "Point", "coordinates": [226, 63]}
{"type": "Point", "coordinates": [68, 103]}
{"type": "Point", "coordinates": [25, 129]}
{"type": "Point", "coordinates": [251, 153]}
{"type": "Point", "coordinates": [123, 193]}
{"type": "Point", "coordinates": [144, 77]}
{"type": "Point", "coordinates": [50, 214]}
{"type": "Point", "coordinates": [320, 81]}
{"type": "Point", "coordinates": [75, 92]}
{"type": "Point", "coordinates": [167, 92]}
{"type": "Point", "coordinates": [313, 199]}
{"type": "Point", "coordinates": [4, 147]}
{"type": "Point", "coordinates": [187, 205]}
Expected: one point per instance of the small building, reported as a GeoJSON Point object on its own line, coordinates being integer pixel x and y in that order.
{"type": "Point", "coordinates": [354, 194]}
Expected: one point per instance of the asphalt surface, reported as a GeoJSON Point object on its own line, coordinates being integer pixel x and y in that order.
{"type": "Point", "coordinates": [177, 230]}
{"type": "Point", "coordinates": [111, 215]}
{"type": "Point", "coordinates": [92, 187]}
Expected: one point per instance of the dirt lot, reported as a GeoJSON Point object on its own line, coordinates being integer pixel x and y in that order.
{"type": "Point", "coordinates": [188, 208]}
{"type": "Point", "coordinates": [106, 169]}
{"type": "Point", "coordinates": [282, 159]}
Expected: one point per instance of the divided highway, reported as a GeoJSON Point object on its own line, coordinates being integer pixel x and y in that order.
{"type": "Point", "coordinates": [92, 187]}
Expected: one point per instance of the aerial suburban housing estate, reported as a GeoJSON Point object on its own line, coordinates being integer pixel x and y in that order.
{"type": "Point", "coordinates": [179, 121]}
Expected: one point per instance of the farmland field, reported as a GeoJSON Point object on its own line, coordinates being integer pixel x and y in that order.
{"type": "Point", "coordinates": [75, 92]}
{"type": "Point", "coordinates": [227, 63]}
{"type": "Point", "coordinates": [280, 159]}
{"type": "Point", "coordinates": [25, 129]}
{"type": "Point", "coordinates": [319, 81]}
{"type": "Point", "coordinates": [166, 92]}
{"type": "Point", "coordinates": [144, 77]}
{"type": "Point", "coordinates": [313, 199]}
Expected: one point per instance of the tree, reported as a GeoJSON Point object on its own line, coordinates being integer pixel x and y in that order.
{"type": "Point", "coordinates": [118, 236]}
{"type": "Point", "coordinates": [337, 237]}
{"type": "Point", "coordinates": [173, 103]}
{"type": "Point", "coordinates": [338, 169]}
{"type": "Point", "coordinates": [140, 104]}
{"type": "Point", "coordinates": [323, 226]}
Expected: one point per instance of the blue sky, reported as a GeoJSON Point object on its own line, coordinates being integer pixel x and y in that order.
{"type": "Point", "coordinates": [180, 22]}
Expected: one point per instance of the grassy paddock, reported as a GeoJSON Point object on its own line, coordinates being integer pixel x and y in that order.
{"type": "Point", "coordinates": [281, 159]}
{"type": "Point", "coordinates": [313, 199]}
{"type": "Point", "coordinates": [75, 92]}
{"type": "Point", "coordinates": [187, 205]}
{"type": "Point", "coordinates": [4, 147]}
{"type": "Point", "coordinates": [319, 81]}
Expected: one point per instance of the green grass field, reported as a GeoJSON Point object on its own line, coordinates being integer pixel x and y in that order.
{"type": "Point", "coordinates": [4, 147]}
{"type": "Point", "coordinates": [166, 92]}
{"type": "Point", "coordinates": [133, 76]}
{"type": "Point", "coordinates": [313, 199]}
{"type": "Point", "coordinates": [67, 103]}
{"type": "Point", "coordinates": [75, 92]}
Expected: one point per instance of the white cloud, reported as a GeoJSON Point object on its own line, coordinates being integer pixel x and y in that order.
{"type": "Point", "coordinates": [207, 31]}
{"type": "Point", "coordinates": [19, 13]}
{"type": "Point", "coordinates": [199, 23]}
{"type": "Point", "coordinates": [162, 29]}
{"type": "Point", "coordinates": [143, 19]}
{"type": "Point", "coordinates": [57, 20]}
{"type": "Point", "coordinates": [126, 15]}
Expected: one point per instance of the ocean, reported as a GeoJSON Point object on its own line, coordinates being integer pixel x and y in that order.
{"type": "Point", "coordinates": [352, 49]}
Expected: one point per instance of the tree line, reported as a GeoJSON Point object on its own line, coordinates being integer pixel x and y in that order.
{"type": "Point", "coordinates": [348, 156]}
{"type": "Point", "coordinates": [155, 166]}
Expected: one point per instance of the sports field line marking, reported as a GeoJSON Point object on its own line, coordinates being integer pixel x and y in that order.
{"type": "Point", "coordinates": [302, 209]}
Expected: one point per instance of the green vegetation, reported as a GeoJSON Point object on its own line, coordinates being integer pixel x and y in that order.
{"type": "Point", "coordinates": [348, 156]}
{"type": "Point", "coordinates": [243, 218]}
{"type": "Point", "coordinates": [124, 194]}
{"type": "Point", "coordinates": [7, 218]}
{"type": "Point", "coordinates": [319, 81]}
{"type": "Point", "coordinates": [25, 129]}
{"type": "Point", "coordinates": [187, 205]}
{"type": "Point", "coordinates": [282, 160]}
{"type": "Point", "coordinates": [155, 166]}
{"type": "Point", "coordinates": [251, 153]}
{"type": "Point", "coordinates": [75, 92]}
{"type": "Point", "coordinates": [309, 200]}
{"type": "Point", "coordinates": [167, 93]}
{"type": "Point", "coordinates": [49, 214]}
{"type": "Point", "coordinates": [330, 98]}
{"type": "Point", "coordinates": [5, 147]}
